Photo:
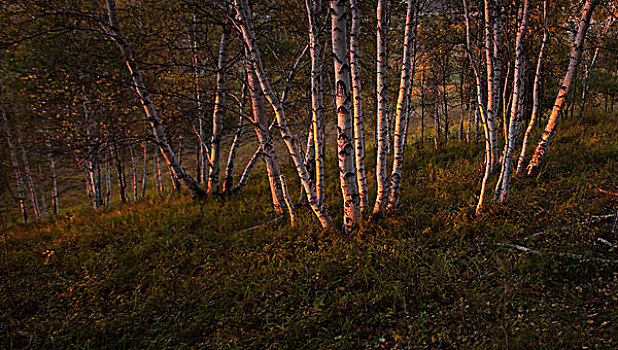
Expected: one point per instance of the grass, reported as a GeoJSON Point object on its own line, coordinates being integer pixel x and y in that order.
{"type": "Point", "coordinates": [174, 273]}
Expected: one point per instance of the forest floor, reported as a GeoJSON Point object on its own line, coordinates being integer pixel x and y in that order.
{"type": "Point", "coordinates": [227, 273]}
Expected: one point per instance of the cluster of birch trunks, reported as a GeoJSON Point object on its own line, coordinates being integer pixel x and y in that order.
{"type": "Point", "coordinates": [358, 203]}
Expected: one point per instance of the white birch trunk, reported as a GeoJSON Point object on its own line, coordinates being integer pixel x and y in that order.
{"type": "Point", "coordinates": [317, 99]}
{"type": "Point", "coordinates": [400, 123]}
{"type": "Point", "coordinates": [228, 182]}
{"type": "Point", "coordinates": [42, 189]}
{"type": "Point", "coordinates": [217, 126]}
{"type": "Point", "coordinates": [576, 53]}
{"type": "Point", "coordinates": [492, 89]}
{"type": "Point", "coordinates": [535, 93]}
{"type": "Point", "coordinates": [135, 172]}
{"type": "Point", "coordinates": [246, 25]}
{"type": "Point", "coordinates": [145, 170]}
{"type": "Point", "coordinates": [359, 134]}
{"type": "Point", "coordinates": [18, 178]}
{"type": "Point", "coordinates": [501, 193]}
{"type": "Point", "coordinates": [244, 178]}
{"type": "Point", "coordinates": [382, 119]}
{"type": "Point", "coordinates": [54, 174]}
{"type": "Point", "coordinates": [345, 125]}
{"type": "Point", "coordinates": [149, 109]}
{"type": "Point", "coordinates": [28, 176]}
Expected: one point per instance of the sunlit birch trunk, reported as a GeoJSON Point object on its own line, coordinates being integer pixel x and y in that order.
{"type": "Point", "coordinates": [492, 88]}
{"type": "Point", "coordinates": [382, 119]}
{"type": "Point", "coordinates": [576, 53]}
{"type": "Point", "coordinates": [149, 109]}
{"type": "Point", "coordinates": [246, 26]}
{"type": "Point", "coordinates": [345, 125]}
{"type": "Point", "coordinates": [217, 114]}
{"type": "Point", "coordinates": [501, 193]}
{"type": "Point", "coordinates": [535, 93]}
{"type": "Point", "coordinates": [359, 134]}
{"type": "Point", "coordinates": [400, 123]}
{"type": "Point", "coordinates": [317, 98]}
{"type": "Point", "coordinates": [54, 174]}
{"type": "Point", "coordinates": [28, 176]}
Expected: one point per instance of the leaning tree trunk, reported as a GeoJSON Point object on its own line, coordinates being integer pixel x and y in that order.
{"type": "Point", "coordinates": [535, 93]}
{"type": "Point", "coordinates": [149, 109]}
{"type": "Point", "coordinates": [20, 182]}
{"type": "Point", "coordinates": [345, 125]}
{"type": "Point", "coordinates": [244, 178]}
{"type": "Point", "coordinates": [317, 99]}
{"type": "Point", "coordinates": [576, 53]}
{"type": "Point", "coordinates": [359, 134]}
{"type": "Point", "coordinates": [400, 123]}
{"type": "Point", "coordinates": [217, 126]}
{"type": "Point", "coordinates": [246, 26]}
{"type": "Point", "coordinates": [28, 176]}
{"type": "Point", "coordinates": [501, 193]}
{"type": "Point", "coordinates": [382, 120]}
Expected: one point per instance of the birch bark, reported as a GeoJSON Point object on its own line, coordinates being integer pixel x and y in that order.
{"type": "Point", "coordinates": [382, 120]}
{"type": "Point", "coordinates": [576, 53]}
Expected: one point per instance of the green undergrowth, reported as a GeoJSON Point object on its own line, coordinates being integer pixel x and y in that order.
{"type": "Point", "coordinates": [227, 273]}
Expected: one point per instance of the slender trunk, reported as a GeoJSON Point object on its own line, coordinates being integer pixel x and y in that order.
{"type": "Point", "coordinates": [382, 118]}
{"type": "Point", "coordinates": [535, 93]}
{"type": "Point", "coordinates": [576, 52]}
{"type": "Point", "coordinates": [317, 99]}
{"type": "Point", "coordinates": [149, 109]}
{"type": "Point", "coordinates": [228, 182]}
{"type": "Point", "coordinates": [244, 178]}
{"type": "Point", "coordinates": [359, 134]}
{"type": "Point", "coordinates": [400, 123]}
{"type": "Point", "coordinates": [309, 163]}
{"type": "Point", "coordinates": [502, 188]}
{"type": "Point", "coordinates": [246, 25]}
{"type": "Point", "coordinates": [217, 126]}
{"type": "Point", "coordinates": [158, 174]}
{"type": "Point", "coordinates": [145, 170]}
{"type": "Point", "coordinates": [42, 187]}
{"type": "Point", "coordinates": [19, 180]}
{"type": "Point", "coordinates": [108, 179]}
{"type": "Point", "coordinates": [479, 111]}
{"type": "Point", "coordinates": [135, 169]}
{"type": "Point", "coordinates": [199, 149]}
{"type": "Point", "coordinates": [505, 110]}
{"type": "Point", "coordinates": [28, 176]}
{"type": "Point", "coordinates": [492, 88]}
{"type": "Point", "coordinates": [54, 174]}
{"type": "Point", "coordinates": [120, 178]}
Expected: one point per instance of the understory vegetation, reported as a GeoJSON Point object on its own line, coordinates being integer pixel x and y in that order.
{"type": "Point", "coordinates": [226, 273]}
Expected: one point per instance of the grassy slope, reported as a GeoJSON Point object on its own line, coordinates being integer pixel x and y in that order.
{"type": "Point", "coordinates": [174, 273]}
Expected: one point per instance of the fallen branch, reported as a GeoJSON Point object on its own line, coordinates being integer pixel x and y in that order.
{"type": "Point", "coordinates": [253, 228]}
{"type": "Point", "coordinates": [593, 220]}
{"type": "Point", "coordinates": [608, 243]}
{"type": "Point", "coordinates": [566, 255]}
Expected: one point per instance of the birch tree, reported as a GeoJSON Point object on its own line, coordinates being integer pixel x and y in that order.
{"type": "Point", "coordinates": [359, 134]}
{"type": "Point", "coordinates": [345, 126]}
{"type": "Point", "coordinates": [143, 94]}
{"type": "Point", "coordinates": [400, 122]}
{"type": "Point", "coordinates": [382, 120]}
{"type": "Point", "coordinates": [576, 53]}
{"type": "Point", "coordinates": [535, 92]}
{"type": "Point", "coordinates": [246, 26]}
{"type": "Point", "coordinates": [217, 114]}
{"type": "Point", "coordinates": [502, 188]}
{"type": "Point", "coordinates": [21, 193]}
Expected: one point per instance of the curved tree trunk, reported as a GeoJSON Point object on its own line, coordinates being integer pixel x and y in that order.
{"type": "Point", "coordinates": [246, 26]}
{"type": "Point", "coordinates": [149, 109]}
{"type": "Point", "coordinates": [576, 53]}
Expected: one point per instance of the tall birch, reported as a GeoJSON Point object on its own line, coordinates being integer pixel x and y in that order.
{"type": "Point", "coordinates": [18, 178]}
{"type": "Point", "coordinates": [246, 27]}
{"type": "Point", "coordinates": [535, 93]}
{"type": "Point", "coordinates": [382, 119]}
{"type": "Point", "coordinates": [400, 123]}
{"type": "Point", "coordinates": [576, 53]}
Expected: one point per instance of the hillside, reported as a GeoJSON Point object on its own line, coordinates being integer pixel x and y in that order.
{"type": "Point", "coordinates": [226, 273]}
